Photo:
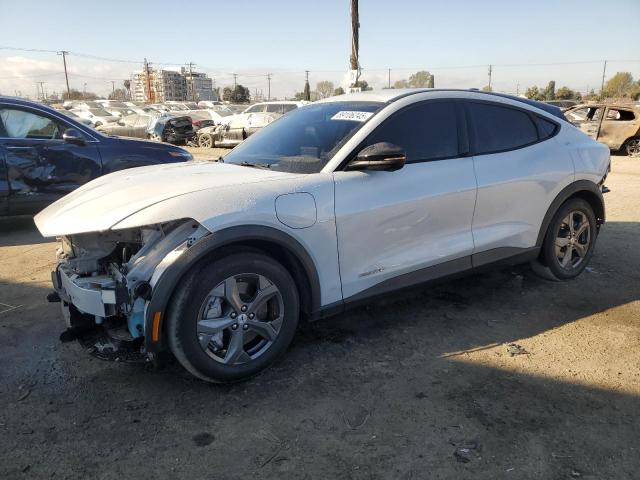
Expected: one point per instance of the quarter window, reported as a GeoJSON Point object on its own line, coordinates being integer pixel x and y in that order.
{"type": "Point", "coordinates": [495, 128]}
{"type": "Point", "coordinates": [22, 124]}
{"type": "Point", "coordinates": [426, 131]}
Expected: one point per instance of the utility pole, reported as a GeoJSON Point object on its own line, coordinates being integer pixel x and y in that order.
{"type": "Point", "coordinates": [40, 90]}
{"type": "Point", "coordinates": [147, 75]}
{"type": "Point", "coordinates": [604, 72]}
{"type": "Point", "coordinates": [269, 90]}
{"type": "Point", "coordinates": [355, 40]}
{"type": "Point", "coordinates": [235, 81]}
{"type": "Point", "coordinates": [490, 72]}
{"type": "Point", "coordinates": [193, 89]}
{"type": "Point", "coordinates": [389, 78]}
{"type": "Point", "coordinates": [64, 54]}
{"type": "Point", "coordinates": [517, 89]}
{"type": "Point", "coordinates": [113, 88]}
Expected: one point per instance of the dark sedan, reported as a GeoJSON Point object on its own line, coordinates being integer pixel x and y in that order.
{"type": "Point", "coordinates": [45, 154]}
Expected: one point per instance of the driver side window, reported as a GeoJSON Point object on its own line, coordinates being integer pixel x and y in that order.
{"type": "Point", "coordinates": [23, 124]}
{"type": "Point", "coordinates": [426, 131]}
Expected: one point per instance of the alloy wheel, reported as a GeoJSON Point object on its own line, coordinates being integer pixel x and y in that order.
{"type": "Point", "coordinates": [240, 319]}
{"type": "Point", "coordinates": [573, 239]}
{"type": "Point", "coordinates": [205, 141]}
{"type": "Point", "coordinates": [633, 147]}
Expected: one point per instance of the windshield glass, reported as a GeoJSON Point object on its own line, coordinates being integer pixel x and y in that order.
{"type": "Point", "coordinates": [305, 139]}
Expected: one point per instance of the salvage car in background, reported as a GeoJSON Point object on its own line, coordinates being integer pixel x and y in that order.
{"type": "Point", "coordinates": [617, 126]}
{"type": "Point", "coordinates": [97, 116]}
{"type": "Point", "coordinates": [171, 129]}
{"type": "Point", "coordinates": [45, 154]}
{"type": "Point", "coordinates": [234, 130]}
{"type": "Point", "coordinates": [333, 204]}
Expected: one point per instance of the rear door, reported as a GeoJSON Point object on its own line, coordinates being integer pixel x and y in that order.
{"type": "Point", "coordinates": [404, 227]}
{"type": "Point", "coordinates": [41, 167]}
{"type": "Point", "coordinates": [520, 169]}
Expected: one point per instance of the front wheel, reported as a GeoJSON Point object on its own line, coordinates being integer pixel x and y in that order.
{"type": "Point", "coordinates": [233, 317]}
{"type": "Point", "coordinates": [570, 239]}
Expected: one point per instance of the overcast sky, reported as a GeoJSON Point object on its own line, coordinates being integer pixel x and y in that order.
{"type": "Point", "coordinates": [455, 40]}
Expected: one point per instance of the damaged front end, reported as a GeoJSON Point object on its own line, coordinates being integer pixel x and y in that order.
{"type": "Point", "coordinates": [105, 280]}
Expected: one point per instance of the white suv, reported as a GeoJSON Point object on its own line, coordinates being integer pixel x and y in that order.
{"type": "Point", "coordinates": [331, 204]}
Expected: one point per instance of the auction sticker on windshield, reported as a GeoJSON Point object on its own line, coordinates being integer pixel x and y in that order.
{"type": "Point", "coordinates": [351, 115]}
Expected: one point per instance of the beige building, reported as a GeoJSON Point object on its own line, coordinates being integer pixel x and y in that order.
{"type": "Point", "coordinates": [170, 85]}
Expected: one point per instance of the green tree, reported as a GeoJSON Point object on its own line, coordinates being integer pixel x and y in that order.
{"type": "Point", "coordinates": [534, 93]}
{"type": "Point", "coordinates": [324, 89]}
{"type": "Point", "coordinates": [338, 91]}
{"type": "Point", "coordinates": [240, 94]}
{"type": "Point", "coordinates": [549, 93]}
{"type": "Point", "coordinates": [364, 86]}
{"type": "Point", "coordinates": [487, 88]}
{"type": "Point", "coordinates": [421, 79]}
{"type": "Point", "coordinates": [565, 93]}
{"type": "Point", "coordinates": [620, 85]}
{"type": "Point", "coordinates": [401, 84]}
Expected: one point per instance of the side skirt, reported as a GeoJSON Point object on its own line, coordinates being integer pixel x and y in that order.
{"type": "Point", "coordinates": [432, 275]}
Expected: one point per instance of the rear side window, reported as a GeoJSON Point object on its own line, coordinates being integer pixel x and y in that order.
{"type": "Point", "coordinates": [426, 131]}
{"type": "Point", "coordinates": [546, 128]}
{"type": "Point", "coordinates": [495, 128]}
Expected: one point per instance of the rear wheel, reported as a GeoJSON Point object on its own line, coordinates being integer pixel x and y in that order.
{"type": "Point", "coordinates": [233, 317]}
{"type": "Point", "coordinates": [632, 147]}
{"type": "Point", "coordinates": [570, 239]}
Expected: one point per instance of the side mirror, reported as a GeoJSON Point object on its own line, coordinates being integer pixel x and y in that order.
{"type": "Point", "coordinates": [71, 135]}
{"type": "Point", "coordinates": [379, 156]}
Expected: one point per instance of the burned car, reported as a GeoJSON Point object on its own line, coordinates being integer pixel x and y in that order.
{"type": "Point", "coordinates": [235, 131]}
{"type": "Point", "coordinates": [617, 126]}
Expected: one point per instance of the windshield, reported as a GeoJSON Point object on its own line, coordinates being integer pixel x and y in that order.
{"type": "Point", "coordinates": [305, 139]}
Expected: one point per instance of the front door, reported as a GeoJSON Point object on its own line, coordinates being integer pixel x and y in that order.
{"type": "Point", "coordinates": [399, 228]}
{"type": "Point", "coordinates": [41, 166]}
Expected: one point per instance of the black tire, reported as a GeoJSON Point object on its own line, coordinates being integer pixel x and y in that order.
{"type": "Point", "coordinates": [185, 311]}
{"type": "Point", "coordinates": [632, 147]}
{"type": "Point", "coordinates": [549, 254]}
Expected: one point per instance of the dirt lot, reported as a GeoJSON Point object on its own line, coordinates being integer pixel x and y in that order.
{"type": "Point", "coordinates": [424, 385]}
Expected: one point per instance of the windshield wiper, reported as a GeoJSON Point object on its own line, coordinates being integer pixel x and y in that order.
{"type": "Point", "coordinates": [265, 166]}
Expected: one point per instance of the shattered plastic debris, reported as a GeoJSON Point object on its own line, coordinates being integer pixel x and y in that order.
{"type": "Point", "coordinates": [514, 349]}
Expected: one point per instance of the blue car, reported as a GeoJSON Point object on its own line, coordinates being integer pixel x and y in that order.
{"type": "Point", "coordinates": [45, 154]}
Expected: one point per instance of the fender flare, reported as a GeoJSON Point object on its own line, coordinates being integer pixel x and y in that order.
{"type": "Point", "coordinates": [591, 189]}
{"type": "Point", "coordinates": [171, 277]}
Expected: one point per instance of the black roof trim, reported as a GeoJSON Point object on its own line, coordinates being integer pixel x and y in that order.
{"type": "Point", "coordinates": [551, 109]}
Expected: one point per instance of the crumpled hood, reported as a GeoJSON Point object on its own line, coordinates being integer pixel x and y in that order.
{"type": "Point", "coordinates": [106, 201]}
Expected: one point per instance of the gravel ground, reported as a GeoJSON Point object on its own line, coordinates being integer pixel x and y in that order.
{"type": "Point", "coordinates": [498, 375]}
